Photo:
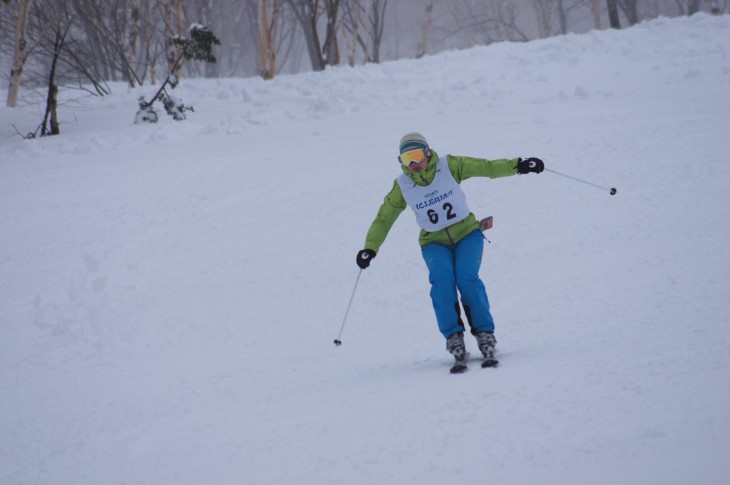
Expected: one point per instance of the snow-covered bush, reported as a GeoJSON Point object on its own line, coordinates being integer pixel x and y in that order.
{"type": "Point", "coordinates": [146, 113]}
{"type": "Point", "coordinates": [198, 46]}
{"type": "Point", "coordinates": [174, 106]}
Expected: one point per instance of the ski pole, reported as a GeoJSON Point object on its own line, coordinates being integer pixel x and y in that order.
{"type": "Point", "coordinates": [338, 342]}
{"type": "Point", "coordinates": [611, 190]}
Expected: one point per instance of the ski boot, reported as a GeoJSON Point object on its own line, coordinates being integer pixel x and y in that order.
{"type": "Point", "coordinates": [487, 345]}
{"type": "Point", "coordinates": [455, 346]}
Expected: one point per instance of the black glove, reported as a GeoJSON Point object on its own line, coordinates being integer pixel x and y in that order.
{"type": "Point", "coordinates": [530, 165]}
{"type": "Point", "coordinates": [364, 256]}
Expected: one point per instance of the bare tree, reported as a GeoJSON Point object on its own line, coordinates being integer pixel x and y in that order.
{"type": "Point", "coordinates": [629, 9]}
{"type": "Point", "coordinates": [240, 26]}
{"type": "Point", "coordinates": [67, 55]}
{"type": "Point", "coordinates": [507, 15]}
{"type": "Point", "coordinates": [306, 12]}
{"type": "Point", "coordinates": [133, 62]}
{"type": "Point", "coordinates": [613, 19]}
{"type": "Point", "coordinates": [237, 22]}
{"type": "Point", "coordinates": [427, 21]}
{"type": "Point", "coordinates": [52, 98]}
{"type": "Point", "coordinates": [331, 48]}
{"type": "Point", "coordinates": [364, 20]}
{"type": "Point", "coordinates": [486, 21]}
{"type": "Point", "coordinates": [115, 27]}
{"type": "Point", "coordinates": [23, 47]}
{"type": "Point", "coordinates": [544, 13]}
{"type": "Point", "coordinates": [351, 24]}
{"type": "Point", "coordinates": [173, 17]}
{"type": "Point", "coordinates": [267, 49]}
{"type": "Point", "coordinates": [566, 9]}
{"type": "Point", "coordinates": [376, 24]}
{"type": "Point", "coordinates": [151, 53]}
{"type": "Point", "coordinates": [563, 17]}
{"type": "Point", "coordinates": [718, 7]}
{"type": "Point", "coordinates": [288, 41]}
{"type": "Point", "coordinates": [595, 7]}
{"type": "Point", "coordinates": [130, 40]}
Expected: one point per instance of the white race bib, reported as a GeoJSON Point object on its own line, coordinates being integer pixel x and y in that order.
{"type": "Point", "coordinates": [438, 205]}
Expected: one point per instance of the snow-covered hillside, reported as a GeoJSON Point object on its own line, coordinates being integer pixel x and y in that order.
{"type": "Point", "coordinates": [169, 293]}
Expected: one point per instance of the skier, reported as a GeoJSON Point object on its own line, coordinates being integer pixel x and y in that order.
{"type": "Point", "coordinates": [451, 243]}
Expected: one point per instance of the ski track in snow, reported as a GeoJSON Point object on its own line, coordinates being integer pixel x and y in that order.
{"type": "Point", "coordinates": [170, 293]}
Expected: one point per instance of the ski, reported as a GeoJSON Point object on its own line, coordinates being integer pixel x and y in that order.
{"type": "Point", "coordinates": [460, 364]}
{"type": "Point", "coordinates": [459, 367]}
{"type": "Point", "coordinates": [490, 363]}
{"type": "Point", "coordinates": [488, 360]}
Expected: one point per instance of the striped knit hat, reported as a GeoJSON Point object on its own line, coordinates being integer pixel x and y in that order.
{"type": "Point", "coordinates": [411, 141]}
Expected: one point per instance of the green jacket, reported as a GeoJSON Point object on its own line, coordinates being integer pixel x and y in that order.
{"type": "Point", "coordinates": [461, 168]}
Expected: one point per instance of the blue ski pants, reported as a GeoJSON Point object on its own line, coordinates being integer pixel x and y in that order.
{"type": "Point", "coordinates": [453, 267]}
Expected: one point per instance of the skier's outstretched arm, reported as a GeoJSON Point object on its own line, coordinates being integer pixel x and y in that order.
{"type": "Point", "coordinates": [467, 167]}
{"type": "Point", "coordinates": [389, 211]}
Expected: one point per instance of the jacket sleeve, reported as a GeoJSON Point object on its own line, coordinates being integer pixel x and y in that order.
{"type": "Point", "coordinates": [393, 205]}
{"type": "Point", "coordinates": [466, 167]}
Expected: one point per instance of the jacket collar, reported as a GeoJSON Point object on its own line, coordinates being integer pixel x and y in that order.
{"type": "Point", "coordinates": [426, 176]}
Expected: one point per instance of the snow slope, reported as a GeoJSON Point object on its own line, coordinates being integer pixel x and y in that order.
{"type": "Point", "coordinates": [169, 293]}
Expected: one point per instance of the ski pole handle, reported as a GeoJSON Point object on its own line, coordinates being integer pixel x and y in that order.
{"type": "Point", "coordinates": [611, 190]}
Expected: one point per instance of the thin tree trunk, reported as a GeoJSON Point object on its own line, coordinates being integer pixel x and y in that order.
{"type": "Point", "coordinates": [52, 100]}
{"type": "Point", "coordinates": [423, 42]}
{"type": "Point", "coordinates": [131, 50]}
{"type": "Point", "coordinates": [544, 15]}
{"type": "Point", "coordinates": [331, 49]}
{"type": "Point", "coordinates": [596, 13]}
{"type": "Point", "coordinates": [367, 46]}
{"type": "Point", "coordinates": [613, 19]}
{"type": "Point", "coordinates": [693, 6]}
{"type": "Point", "coordinates": [312, 36]}
{"type": "Point", "coordinates": [173, 28]}
{"type": "Point", "coordinates": [267, 49]}
{"type": "Point", "coordinates": [563, 18]}
{"type": "Point", "coordinates": [494, 9]}
{"type": "Point", "coordinates": [628, 7]}
{"type": "Point", "coordinates": [378, 27]}
{"type": "Point", "coordinates": [147, 36]}
{"type": "Point", "coordinates": [181, 32]}
{"type": "Point", "coordinates": [513, 33]}
{"type": "Point", "coordinates": [355, 22]}
{"type": "Point", "coordinates": [21, 52]}
{"type": "Point", "coordinates": [306, 14]}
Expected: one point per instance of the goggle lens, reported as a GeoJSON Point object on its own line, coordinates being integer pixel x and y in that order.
{"type": "Point", "coordinates": [417, 155]}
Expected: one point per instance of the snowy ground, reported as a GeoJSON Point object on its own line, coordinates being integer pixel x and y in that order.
{"type": "Point", "coordinates": [169, 293]}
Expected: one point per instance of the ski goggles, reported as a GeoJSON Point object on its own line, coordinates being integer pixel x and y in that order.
{"type": "Point", "coordinates": [417, 155]}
